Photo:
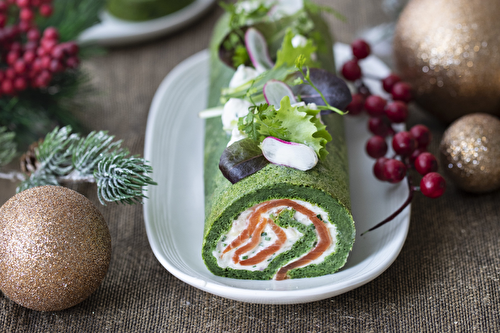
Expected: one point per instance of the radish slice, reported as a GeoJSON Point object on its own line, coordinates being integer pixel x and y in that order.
{"type": "Point", "coordinates": [257, 50]}
{"type": "Point", "coordinates": [275, 90]}
{"type": "Point", "coordinates": [290, 154]}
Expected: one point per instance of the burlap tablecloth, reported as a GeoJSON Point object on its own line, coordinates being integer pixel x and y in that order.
{"type": "Point", "coordinates": [446, 278]}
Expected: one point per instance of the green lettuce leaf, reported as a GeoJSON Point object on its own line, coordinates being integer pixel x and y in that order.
{"type": "Point", "coordinates": [303, 126]}
{"type": "Point", "coordinates": [290, 123]}
{"type": "Point", "coordinates": [288, 54]}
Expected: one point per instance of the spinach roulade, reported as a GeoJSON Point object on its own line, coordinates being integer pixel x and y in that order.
{"type": "Point", "coordinates": [278, 222]}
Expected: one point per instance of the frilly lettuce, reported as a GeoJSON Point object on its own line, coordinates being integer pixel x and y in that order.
{"type": "Point", "coordinates": [290, 123]}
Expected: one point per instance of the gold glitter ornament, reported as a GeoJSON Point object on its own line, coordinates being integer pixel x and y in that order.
{"type": "Point", "coordinates": [55, 248]}
{"type": "Point", "coordinates": [449, 51]}
{"type": "Point", "coordinates": [470, 152]}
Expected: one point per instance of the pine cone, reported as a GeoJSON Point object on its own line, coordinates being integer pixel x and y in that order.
{"type": "Point", "coordinates": [29, 163]}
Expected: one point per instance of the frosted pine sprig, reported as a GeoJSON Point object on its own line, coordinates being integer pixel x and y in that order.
{"type": "Point", "coordinates": [8, 147]}
{"type": "Point", "coordinates": [64, 157]}
{"type": "Point", "coordinates": [121, 178]}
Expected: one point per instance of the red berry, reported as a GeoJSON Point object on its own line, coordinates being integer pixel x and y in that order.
{"type": "Point", "coordinates": [20, 84]}
{"type": "Point", "coordinates": [71, 47]}
{"type": "Point", "coordinates": [394, 171]}
{"type": "Point", "coordinates": [35, 3]}
{"type": "Point", "coordinates": [375, 105]}
{"type": "Point", "coordinates": [3, 6]}
{"type": "Point", "coordinates": [360, 49]}
{"type": "Point", "coordinates": [390, 81]}
{"type": "Point", "coordinates": [7, 87]}
{"type": "Point", "coordinates": [51, 33]}
{"type": "Point", "coordinates": [20, 66]}
{"type": "Point", "coordinates": [2, 75]}
{"type": "Point", "coordinates": [43, 79]}
{"type": "Point", "coordinates": [379, 126]}
{"type": "Point", "coordinates": [26, 15]}
{"type": "Point", "coordinates": [351, 70]}
{"type": "Point", "coordinates": [376, 146]}
{"type": "Point", "coordinates": [378, 168]}
{"type": "Point", "coordinates": [48, 45]}
{"type": "Point", "coordinates": [72, 62]}
{"type": "Point", "coordinates": [10, 73]}
{"type": "Point", "coordinates": [396, 111]}
{"type": "Point", "coordinates": [40, 52]}
{"type": "Point", "coordinates": [432, 185]}
{"type": "Point", "coordinates": [46, 10]}
{"type": "Point", "coordinates": [23, 3]}
{"type": "Point", "coordinates": [12, 57]}
{"type": "Point", "coordinates": [45, 62]}
{"type": "Point", "coordinates": [37, 65]}
{"type": "Point", "coordinates": [29, 56]}
{"type": "Point", "coordinates": [58, 52]}
{"type": "Point", "coordinates": [56, 66]}
{"type": "Point", "coordinates": [401, 91]}
{"type": "Point", "coordinates": [403, 143]}
{"type": "Point", "coordinates": [425, 163]}
{"type": "Point", "coordinates": [33, 34]}
{"type": "Point", "coordinates": [356, 105]}
{"type": "Point", "coordinates": [422, 135]}
{"type": "Point", "coordinates": [415, 154]}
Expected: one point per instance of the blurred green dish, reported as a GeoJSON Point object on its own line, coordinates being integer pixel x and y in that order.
{"type": "Point", "coordinates": [144, 10]}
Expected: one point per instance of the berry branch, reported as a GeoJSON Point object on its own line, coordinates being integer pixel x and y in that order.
{"type": "Point", "coordinates": [410, 147]}
{"type": "Point", "coordinates": [39, 64]}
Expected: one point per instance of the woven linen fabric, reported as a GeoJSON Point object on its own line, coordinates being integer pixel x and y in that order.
{"type": "Point", "coordinates": [446, 278]}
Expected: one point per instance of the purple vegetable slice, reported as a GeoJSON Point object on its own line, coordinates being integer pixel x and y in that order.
{"type": "Point", "coordinates": [241, 159]}
{"type": "Point", "coordinates": [335, 90]}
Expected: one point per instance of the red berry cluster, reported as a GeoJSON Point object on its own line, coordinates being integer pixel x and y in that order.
{"type": "Point", "coordinates": [29, 58]}
{"type": "Point", "coordinates": [410, 147]}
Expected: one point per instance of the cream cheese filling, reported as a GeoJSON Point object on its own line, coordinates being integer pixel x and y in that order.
{"type": "Point", "coordinates": [268, 237]}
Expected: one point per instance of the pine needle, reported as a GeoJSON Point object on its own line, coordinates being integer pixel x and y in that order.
{"type": "Point", "coordinates": [8, 146]}
{"type": "Point", "coordinates": [65, 156]}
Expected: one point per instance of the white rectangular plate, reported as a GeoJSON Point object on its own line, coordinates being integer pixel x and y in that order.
{"type": "Point", "coordinates": [174, 212]}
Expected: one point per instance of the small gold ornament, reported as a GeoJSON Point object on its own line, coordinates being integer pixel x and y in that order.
{"type": "Point", "coordinates": [449, 51]}
{"type": "Point", "coordinates": [55, 248]}
{"type": "Point", "coordinates": [470, 152]}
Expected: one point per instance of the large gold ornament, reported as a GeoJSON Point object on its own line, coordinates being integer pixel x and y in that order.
{"type": "Point", "coordinates": [449, 50]}
{"type": "Point", "coordinates": [55, 248]}
{"type": "Point", "coordinates": [470, 152]}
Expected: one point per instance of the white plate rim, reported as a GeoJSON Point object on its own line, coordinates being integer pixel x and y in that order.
{"type": "Point", "coordinates": [112, 31]}
{"type": "Point", "coordinates": [242, 294]}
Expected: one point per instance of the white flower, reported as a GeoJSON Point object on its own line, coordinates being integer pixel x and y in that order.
{"type": "Point", "coordinates": [234, 109]}
{"type": "Point", "coordinates": [299, 40]}
{"type": "Point", "coordinates": [242, 75]}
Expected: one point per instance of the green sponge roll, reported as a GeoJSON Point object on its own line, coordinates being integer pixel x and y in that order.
{"type": "Point", "coordinates": [308, 209]}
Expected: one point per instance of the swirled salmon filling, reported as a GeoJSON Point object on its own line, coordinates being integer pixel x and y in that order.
{"type": "Point", "coordinates": [263, 232]}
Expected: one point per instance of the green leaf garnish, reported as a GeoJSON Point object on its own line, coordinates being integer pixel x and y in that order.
{"type": "Point", "coordinates": [240, 56]}
{"type": "Point", "coordinates": [288, 54]}
{"type": "Point", "coordinates": [290, 123]}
